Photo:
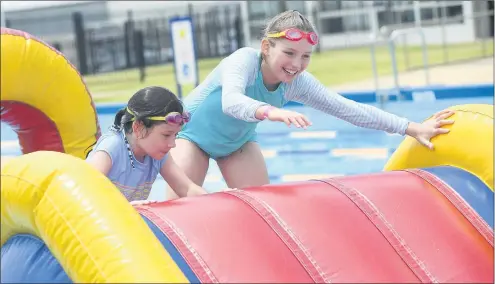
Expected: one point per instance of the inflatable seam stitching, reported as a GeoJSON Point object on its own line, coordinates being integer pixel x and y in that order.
{"type": "Point", "coordinates": [459, 203]}
{"type": "Point", "coordinates": [393, 237]}
{"type": "Point", "coordinates": [476, 112]}
{"type": "Point", "coordinates": [317, 274]}
{"type": "Point", "coordinates": [175, 235]}
{"type": "Point", "coordinates": [11, 32]}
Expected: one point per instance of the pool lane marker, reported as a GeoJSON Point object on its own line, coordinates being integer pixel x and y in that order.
{"type": "Point", "coordinates": [313, 134]}
{"type": "Point", "coordinates": [365, 153]}
{"type": "Point", "coordinates": [10, 144]}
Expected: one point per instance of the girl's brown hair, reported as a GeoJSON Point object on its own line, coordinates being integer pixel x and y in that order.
{"type": "Point", "coordinates": [286, 20]}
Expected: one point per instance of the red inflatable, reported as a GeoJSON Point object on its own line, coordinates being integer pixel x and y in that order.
{"type": "Point", "coordinates": [386, 227]}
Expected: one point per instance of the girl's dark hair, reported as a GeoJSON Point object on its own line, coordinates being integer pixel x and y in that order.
{"type": "Point", "coordinates": [147, 102]}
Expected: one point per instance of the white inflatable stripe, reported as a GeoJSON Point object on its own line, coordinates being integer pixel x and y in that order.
{"type": "Point", "coordinates": [10, 144]}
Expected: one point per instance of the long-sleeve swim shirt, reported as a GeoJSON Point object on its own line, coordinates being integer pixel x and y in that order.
{"type": "Point", "coordinates": [223, 106]}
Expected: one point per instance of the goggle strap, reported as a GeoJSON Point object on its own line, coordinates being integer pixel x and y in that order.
{"type": "Point", "coordinates": [280, 34]}
{"type": "Point", "coordinates": [156, 118]}
{"type": "Point", "coordinates": [160, 118]}
{"type": "Point", "coordinates": [131, 113]}
{"type": "Point", "coordinates": [163, 118]}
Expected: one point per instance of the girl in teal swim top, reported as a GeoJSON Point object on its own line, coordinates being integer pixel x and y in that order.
{"type": "Point", "coordinates": [253, 85]}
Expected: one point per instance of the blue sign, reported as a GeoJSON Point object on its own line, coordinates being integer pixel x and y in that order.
{"type": "Point", "coordinates": [183, 45]}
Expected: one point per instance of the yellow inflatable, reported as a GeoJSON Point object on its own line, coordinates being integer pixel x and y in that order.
{"type": "Point", "coordinates": [91, 229]}
{"type": "Point", "coordinates": [456, 148]}
{"type": "Point", "coordinates": [84, 220]}
{"type": "Point", "coordinates": [44, 98]}
{"type": "Point", "coordinates": [54, 194]}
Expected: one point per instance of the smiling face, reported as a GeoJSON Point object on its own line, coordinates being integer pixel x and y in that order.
{"type": "Point", "coordinates": [285, 59]}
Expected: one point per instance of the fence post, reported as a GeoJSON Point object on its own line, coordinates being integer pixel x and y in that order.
{"type": "Point", "coordinates": [79, 33]}
{"type": "Point", "coordinates": [4, 21]}
{"type": "Point", "coordinates": [246, 31]}
{"type": "Point", "coordinates": [128, 32]}
{"type": "Point", "coordinates": [444, 34]}
{"type": "Point", "coordinates": [57, 46]}
{"type": "Point", "coordinates": [139, 52]}
{"type": "Point", "coordinates": [239, 37]}
{"type": "Point", "coordinates": [317, 22]}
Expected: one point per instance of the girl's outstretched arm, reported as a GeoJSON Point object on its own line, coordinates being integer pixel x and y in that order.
{"type": "Point", "coordinates": [178, 180]}
{"type": "Point", "coordinates": [238, 70]}
{"type": "Point", "coordinates": [309, 91]}
{"type": "Point", "coordinates": [306, 89]}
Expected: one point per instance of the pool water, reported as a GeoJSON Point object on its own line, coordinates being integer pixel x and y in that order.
{"type": "Point", "coordinates": [330, 147]}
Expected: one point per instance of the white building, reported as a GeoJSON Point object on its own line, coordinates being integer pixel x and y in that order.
{"type": "Point", "coordinates": [340, 23]}
{"type": "Point", "coordinates": [350, 23]}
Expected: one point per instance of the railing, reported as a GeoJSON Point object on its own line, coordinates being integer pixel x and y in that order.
{"type": "Point", "coordinates": [383, 95]}
{"type": "Point", "coordinates": [391, 44]}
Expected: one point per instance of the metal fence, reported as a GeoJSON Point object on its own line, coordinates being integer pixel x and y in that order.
{"type": "Point", "coordinates": [395, 39]}
{"type": "Point", "coordinates": [112, 47]}
{"type": "Point", "coordinates": [126, 44]}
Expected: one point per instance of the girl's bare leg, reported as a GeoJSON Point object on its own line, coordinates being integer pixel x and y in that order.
{"type": "Point", "coordinates": [192, 160]}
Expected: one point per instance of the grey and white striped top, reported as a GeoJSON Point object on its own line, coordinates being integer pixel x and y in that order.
{"type": "Point", "coordinates": [239, 71]}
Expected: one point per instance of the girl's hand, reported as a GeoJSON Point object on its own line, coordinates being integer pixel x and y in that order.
{"type": "Point", "coordinates": [425, 131]}
{"type": "Point", "coordinates": [289, 117]}
{"type": "Point", "coordinates": [142, 202]}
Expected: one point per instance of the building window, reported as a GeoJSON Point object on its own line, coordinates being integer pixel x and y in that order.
{"type": "Point", "coordinates": [260, 10]}
{"type": "Point", "coordinates": [260, 13]}
{"type": "Point", "coordinates": [349, 5]}
{"type": "Point", "coordinates": [330, 5]}
{"type": "Point", "coordinates": [295, 5]}
{"type": "Point", "coordinates": [429, 13]}
{"type": "Point", "coordinates": [394, 12]}
{"type": "Point", "coordinates": [452, 13]}
{"type": "Point", "coordinates": [387, 18]}
{"type": "Point", "coordinates": [338, 5]}
{"type": "Point", "coordinates": [343, 24]}
{"type": "Point", "coordinates": [394, 3]}
{"type": "Point", "coordinates": [263, 10]}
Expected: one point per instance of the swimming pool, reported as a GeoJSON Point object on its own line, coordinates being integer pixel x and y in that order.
{"type": "Point", "coordinates": [330, 147]}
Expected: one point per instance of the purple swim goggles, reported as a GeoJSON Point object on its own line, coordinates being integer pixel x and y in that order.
{"type": "Point", "coordinates": [173, 117]}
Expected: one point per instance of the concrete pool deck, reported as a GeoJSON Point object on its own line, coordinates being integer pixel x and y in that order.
{"type": "Point", "coordinates": [478, 71]}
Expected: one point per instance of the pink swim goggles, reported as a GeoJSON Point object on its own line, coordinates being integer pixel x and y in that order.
{"type": "Point", "coordinates": [294, 34]}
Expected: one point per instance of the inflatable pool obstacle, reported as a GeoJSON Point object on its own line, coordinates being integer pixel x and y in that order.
{"type": "Point", "coordinates": [44, 98]}
{"type": "Point", "coordinates": [428, 217]}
